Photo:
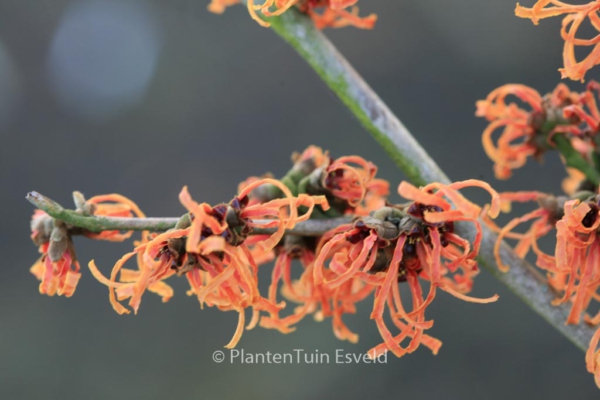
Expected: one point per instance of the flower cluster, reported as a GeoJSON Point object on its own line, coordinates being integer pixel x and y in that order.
{"type": "Point", "coordinates": [220, 248]}
{"type": "Point", "coordinates": [530, 132]}
{"type": "Point", "coordinates": [324, 13]}
{"type": "Point", "coordinates": [574, 16]}
{"type": "Point", "coordinates": [216, 253]}
{"type": "Point", "coordinates": [568, 122]}
{"type": "Point", "coordinates": [212, 253]}
{"type": "Point", "coordinates": [405, 243]}
{"type": "Point", "coordinates": [573, 270]}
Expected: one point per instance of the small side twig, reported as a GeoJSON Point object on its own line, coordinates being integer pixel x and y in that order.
{"type": "Point", "coordinates": [98, 223]}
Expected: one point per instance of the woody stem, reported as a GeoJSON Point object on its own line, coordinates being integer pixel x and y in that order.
{"type": "Point", "coordinates": [96, 224]}
{"type": "Point", "coordinates": [376, 117]}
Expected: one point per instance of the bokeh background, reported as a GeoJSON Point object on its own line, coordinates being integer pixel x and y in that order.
{"type": "Point", "coordinates": [143, 97]}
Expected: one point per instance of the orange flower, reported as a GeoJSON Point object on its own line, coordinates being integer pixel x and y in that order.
{"type": "Point", "coordinates": [219, 6]}
{"type": "Point", "coordinates": [347, 182]}
{"type": "Point", "coordinates": [578, 257]}
{"type": "Point", "coordinates": [112, 205]}
{"type": "Point", "coordinates": [550, 210]}
{"type": "Point", "coordinates": [334, 14]}
{"type": "Point", "coordinates": [216, 283]}
{"type": "Point", "coordinates": [528, 133]}
{"type": "Point", "coordinates": [376, 193]}
{"type": "Point", "coordinates": [313, 155]}
{"type": "Point", "coordinates": [575, 182]}
{"type": "Point", "coordinates": [574, 16]}
{"type": "Point", "coordinates": [212, 251]}
{"type": "Point", "coordinates": [577, 271]}
{"type": "Point", "coordinates": [592, 358]}
{"type": "Point", "coordinates": [156, 259]}
{"type": "Point", "coordinates": [294, 247]}
{"type": "Point", "coordinates": [58, 276]}
{"type": "Point", "coordinates": [574, 269]}
{"type": "Point", "coordinates": [57, 269]}
{"type": "Point", "coordinates": [311, 298]}
{"type": "Point", "coordinates": [515, 144]}
{"type": "Point", "coordinates": [259, 255]}
{"type": "Point", "coordinates": [314, 299]}
{"type": "Point", "coordinates": [227, 278]}
{"type": "Point", "coordinates": [405, 243]}
{"type": "Point", "coordinates": [304, 164]}
{"type": "Point", "coordinates": [571, 183]}
{"type": "Point", "coordinates": [325, 13]}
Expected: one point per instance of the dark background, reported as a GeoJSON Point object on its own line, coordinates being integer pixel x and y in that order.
{"type": "Point", "coordinates": [143, 97]}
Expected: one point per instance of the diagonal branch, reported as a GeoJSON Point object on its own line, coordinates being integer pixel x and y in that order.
{"type": "Point", "coordinates": [375, 116]}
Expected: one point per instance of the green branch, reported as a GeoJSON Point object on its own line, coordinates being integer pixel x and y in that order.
{"type": "Point", "coordinates": [375, 116]}
{"type": "Point", "coordinates": [96, 224]}
{"type": "Point", "coordinates": [575, 160]}
{"type": "Point", "coordinates": [354, 92]}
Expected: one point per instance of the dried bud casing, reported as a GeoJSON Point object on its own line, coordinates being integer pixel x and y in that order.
{"type": "Point", "coordinates": [82, 205]}
{"type": "Point", "coordinates": [42, 226]}
{"type": "Point", "coordinates": [56, 250]}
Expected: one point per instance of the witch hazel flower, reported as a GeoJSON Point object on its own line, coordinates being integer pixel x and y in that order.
{"type": "Point", "coordinates": [324, 13]}
{"type": "Point", "coordinates": [300, 292]}
{"type": "Point", "coordinates": [350, 187]}
{"type": "Point", "coordinates": [542, 220]}
{"type": "Point", "coordinates": [573, 271]}
{"type": "Point", "coordinates": [578, 256]}
{"type": "Point", "coordinates": [348, 183]}
{"type": "Point", "coordinates": [336, 14]}
{"type": "Point", "coordinates": [110, 205]}
{"type": "Point", "coordinates": [58, 269]}
{"type": "Point", "coordinates": [575, 181]}
{"type": "Point", "coordinates": [516, 142]}
{"type": "Point", "coordinates": [347, 178]}
{"type": "Point", "coordinates": [577, 273]}
{"type": "Point", "coordinates": [553, 212]}
{"type": "Point", "coordinates": [528, 133]}
{"type": "Point", "coordinates": [407, 243]}
{"type": "Point", "coordinates": [156, 257]}
{"type": "Point", "coordinates": [209, 247]}
{"type": "Point", "coordinates": [312, 299]}
{"type": "Point", "coordinates": [239, 217]}
{"type": "Point", "coordinates": [574, 16]}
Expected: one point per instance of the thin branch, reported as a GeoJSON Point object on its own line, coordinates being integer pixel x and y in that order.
{"type": "Point", "coordinates": [99, 224]}
{"type": "Point", "coordinates": [299, 31]}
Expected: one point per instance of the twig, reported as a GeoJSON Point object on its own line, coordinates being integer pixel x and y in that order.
{"type": "Point", "coordinates": [99, 224]}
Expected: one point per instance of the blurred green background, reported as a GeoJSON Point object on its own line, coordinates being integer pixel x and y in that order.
{"type": "Point", "coordinates": [143, 97]}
